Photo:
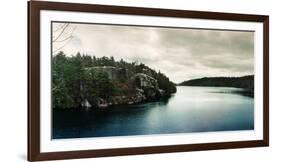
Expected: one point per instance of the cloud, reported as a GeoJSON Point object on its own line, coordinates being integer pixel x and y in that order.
{"type": "Point", "coordinates": [181, 54]}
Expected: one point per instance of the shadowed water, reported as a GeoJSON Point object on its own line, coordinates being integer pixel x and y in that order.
{"type": "Point", "coordinates": [191, 109]}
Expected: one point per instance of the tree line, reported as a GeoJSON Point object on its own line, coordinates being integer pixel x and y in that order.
{"type": "Point", "coordinates": [245, 82]}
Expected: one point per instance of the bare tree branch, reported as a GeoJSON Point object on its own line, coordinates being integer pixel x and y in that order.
{"type": "Point", "coordinates": [69, 37]}
{"type": "Point", "coordinates": [59, 27]}
{"type": "Point", "coordinates": [59, 41]}
{"type": "Point", "coordinates": [61, 46]}
{"type": "Point", "coordinates": [62, 31]}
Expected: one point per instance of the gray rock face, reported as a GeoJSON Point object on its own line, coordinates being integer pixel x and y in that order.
{"type": "Point", "coordinates": [145, 88]}
{"type": "Point", "coordinates": [86, 103]}
{"type": "Point", "coordinates": [144, 81]}
{"type": "Point", "coordinates": [149, 86]}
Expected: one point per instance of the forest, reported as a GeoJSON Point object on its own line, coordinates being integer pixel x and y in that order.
{"type": "Point", "coordinates": [88, 81]}
{"type": "Point", "coordinates": [245, 82]}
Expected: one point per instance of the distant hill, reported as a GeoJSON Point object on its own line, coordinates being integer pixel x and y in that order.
{"type": "Point", "coordinates": [246, 82]}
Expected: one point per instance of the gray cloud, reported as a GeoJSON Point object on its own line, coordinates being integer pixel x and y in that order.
{"type": "Point", "coordinates": [179, 53]}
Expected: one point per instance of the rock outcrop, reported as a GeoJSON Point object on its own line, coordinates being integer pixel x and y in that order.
{"type": "Point", "coordinates": [143, 87]}
{"type": "Point", "coordinates": [144, 81]}
{"type": "Point", "coordinates": [148, 85]}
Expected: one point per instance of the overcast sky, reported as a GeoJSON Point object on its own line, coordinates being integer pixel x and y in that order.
{"type": "Point", "coordinates": [181, 54]}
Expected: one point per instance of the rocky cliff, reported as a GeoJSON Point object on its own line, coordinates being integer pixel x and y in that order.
{"type": "Point", "coordinates": [142, 88]}
{"type": "Point", "coordinates": [88, 81]}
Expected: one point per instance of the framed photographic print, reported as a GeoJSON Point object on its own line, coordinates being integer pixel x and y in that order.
{"type": "Point", "coordinates": [112, 80]}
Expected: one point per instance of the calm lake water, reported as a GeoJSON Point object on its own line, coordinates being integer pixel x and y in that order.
{"type": "Point", "coordinates": [191, 109]}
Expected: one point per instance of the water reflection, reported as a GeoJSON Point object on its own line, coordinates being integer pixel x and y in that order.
{"type": "Point", "coordinates": [238, 91]}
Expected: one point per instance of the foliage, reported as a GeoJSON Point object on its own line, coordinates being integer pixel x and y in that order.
{"type": "Point", "coordinates": [246, 82]}
{"type": "Point", "coordinates": [74, 79]}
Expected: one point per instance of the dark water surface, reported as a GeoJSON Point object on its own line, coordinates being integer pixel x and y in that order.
{"type": "Point", "coordinates": [191, 109]}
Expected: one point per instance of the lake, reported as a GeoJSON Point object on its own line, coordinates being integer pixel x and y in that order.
{"type": "Point", "coordinates": [191, 109]}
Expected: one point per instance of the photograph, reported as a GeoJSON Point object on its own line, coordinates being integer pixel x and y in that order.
{"type": "Point", "coordinates": [110, 80]}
